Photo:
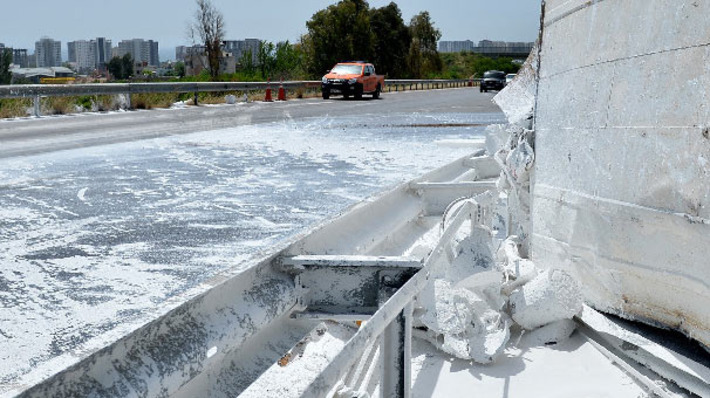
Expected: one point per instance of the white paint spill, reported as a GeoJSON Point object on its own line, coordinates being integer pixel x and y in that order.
{"type": "Point", "coordinates": [81, 194]}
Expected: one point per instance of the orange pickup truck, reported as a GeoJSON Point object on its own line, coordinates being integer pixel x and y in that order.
{"type": "Point", "coordinates": [352, 78]}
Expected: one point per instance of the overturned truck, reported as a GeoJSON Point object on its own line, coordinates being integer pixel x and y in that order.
{"type": "Point", "coordinates": [592, 201]}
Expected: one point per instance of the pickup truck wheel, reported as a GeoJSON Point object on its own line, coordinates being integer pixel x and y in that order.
{"type": "Point", "coordinates": [376, 94]}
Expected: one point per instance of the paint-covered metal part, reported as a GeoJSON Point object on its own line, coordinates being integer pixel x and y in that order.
{"type": "Point", "coordinates": [621, 185]}
{"type": "Point", "coordinates": [160, 358]}
{"type": "Point", "coordinates": [341, 285]}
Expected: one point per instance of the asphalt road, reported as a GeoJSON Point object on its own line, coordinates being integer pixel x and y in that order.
{"type": "Point", "coordinates": [50, 133]}
{"type": "Point", "coordinates": [95, 242]}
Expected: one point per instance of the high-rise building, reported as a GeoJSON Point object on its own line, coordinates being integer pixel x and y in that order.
{"type": "Point", "coordinates": [455, 46]}
{"type": "Point", "coordinates": [81, 53]}
{"type": "Point", "coordinates": [48, 52]}
{"type": "Point", "coordinates": [20, 58]}
{"type": "Point", "coordinates": [142, 51]}
{"type": "Point", "coordinates": [486, 47]}
{"type": "Point", "coordinates": [88, 55]}
{"type": "Point", "coordinates": [240, 47]}
{"type": "Point", "coordinates": [154, 53]}
{"type": "Point", "coordinates": [180, 53]}
{"type": "Point", "coordinates": [102, 52]}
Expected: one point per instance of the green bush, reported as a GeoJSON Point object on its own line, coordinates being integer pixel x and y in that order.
{"type": "Point", "coordinates": [465, 64]}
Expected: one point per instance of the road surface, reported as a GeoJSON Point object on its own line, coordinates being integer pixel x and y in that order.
{"type": "Point", "coordinates": [50, 133]}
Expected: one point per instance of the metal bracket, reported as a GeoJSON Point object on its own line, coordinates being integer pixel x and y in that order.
{"type": "Point", "coordinates": [344, 287]}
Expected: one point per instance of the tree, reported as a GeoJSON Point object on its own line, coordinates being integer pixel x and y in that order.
{"type": "Point", "coordinates": [5, 61]}
{"type": "Point", "coordinates": [121, 68]}
{"type": "Point", "coordinates": [115, 68]}
{"type": "Point", "coordinates": [127, 66]}
{"type": "Point", "coordinates": [288, 60]}
{"type": "Point", "coordinates": [392, 40]}
{"type": "Point", "coordinates": [247, 62]}
{"type": "Point", "coordinates": [180, 69]}
{"type": "Point", "coordinates": [338, 33]}
{"type": "Point", "coordinates": [208, 27]}
{"type": "Point", "coordinates": [265, 58]}
{"type": "Point", "coordinates": [423, 58]}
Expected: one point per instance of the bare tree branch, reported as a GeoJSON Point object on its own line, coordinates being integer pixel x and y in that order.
{"type": "Point", "coordinates": [208, 27]}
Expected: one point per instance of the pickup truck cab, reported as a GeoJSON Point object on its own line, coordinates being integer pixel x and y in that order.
{"type": "Point", "coordinates": [352, 78]}
{"type": "Point", "coordinates": [492, 80]}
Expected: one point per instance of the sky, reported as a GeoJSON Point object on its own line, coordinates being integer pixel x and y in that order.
{"type": "Point", "coordinates": [272, 20]}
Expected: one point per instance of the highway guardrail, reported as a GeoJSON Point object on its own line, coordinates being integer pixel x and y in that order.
{"type": "Point", "coordinates": [37, 91]}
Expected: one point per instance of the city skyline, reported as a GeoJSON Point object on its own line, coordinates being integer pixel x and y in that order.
{"type": "Point", "coordinates": [165, 21]}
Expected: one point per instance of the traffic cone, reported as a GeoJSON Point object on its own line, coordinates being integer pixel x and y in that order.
{"type": "Point", "coordinates": [282, 92]}
{"type": "Point", "coordinates": [268, 92]}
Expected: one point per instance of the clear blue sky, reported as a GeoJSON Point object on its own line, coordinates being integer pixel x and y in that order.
{"type": "Point", "coordinates": [21, 24]}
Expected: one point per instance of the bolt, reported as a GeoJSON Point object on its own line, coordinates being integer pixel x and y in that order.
{"type": "Point", "coordinates": [706, 133]}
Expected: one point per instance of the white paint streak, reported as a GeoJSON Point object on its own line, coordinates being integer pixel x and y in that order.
{"type": "Point", "coordinates": [81, 194]}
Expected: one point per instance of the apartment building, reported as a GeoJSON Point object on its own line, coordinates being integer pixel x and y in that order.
{"type": "Point", "coordinates": [89, 55]}
{"type": "Point", "coordinates": [143, 52]}
{"type": "Point", "coordinates": [82, 55]}
{"type": "Point", "coordinates": [456, 46]}
{"type": "Point", "coordinates": [240, 47]}
{"type": "Point", "coordinates": [20, 57]}
{"type": "Point", "coordinates": [48, 52]}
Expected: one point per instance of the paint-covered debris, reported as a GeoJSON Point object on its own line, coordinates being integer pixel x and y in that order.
{"type": "Point", "coordinates": [552, 296]}
{"type": "Point", "coordinates": [552, 333]}
{"type": "Point", "coordinates": [518, 270]}
{"type": "Point", "coordinates": [462, 323]}
{"type": "Point", "coordinates": [473, 300]}
{"type": "Point", "coordinates": [488, 285]}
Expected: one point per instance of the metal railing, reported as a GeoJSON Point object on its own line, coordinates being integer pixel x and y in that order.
{"type": "Point", "coordinates": [37, 91]}
{"type": "Point", "coordinates": [393, 322]}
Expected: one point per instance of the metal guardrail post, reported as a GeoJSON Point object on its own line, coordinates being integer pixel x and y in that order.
{"type": "Point", "coordinates": [397, 356]}
{"type": "Point", "coordinates": [37, 108]}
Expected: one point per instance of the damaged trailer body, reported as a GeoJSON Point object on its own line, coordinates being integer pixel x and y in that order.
{"type": "Point", "coordinates": [621, 183]}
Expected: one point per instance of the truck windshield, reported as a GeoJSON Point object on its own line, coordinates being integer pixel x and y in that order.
{"type": "Point", "coordinates": [494, 75]}
{"type": "Point", "coordinates": [347, 69]}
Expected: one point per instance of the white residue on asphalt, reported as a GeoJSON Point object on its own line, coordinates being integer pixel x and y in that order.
{"type": "Point", "coordinates": [82, 194]}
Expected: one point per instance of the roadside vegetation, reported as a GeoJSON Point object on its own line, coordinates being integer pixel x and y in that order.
{"type": "Point", "coordinates": [464, 65]}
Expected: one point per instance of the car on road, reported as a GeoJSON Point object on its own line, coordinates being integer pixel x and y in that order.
{"type": "Point", "coordinates": [352, 78]}
{"type": "Point", "coordinates": [493, 80]}
{"type": "Point", "coordinates": [509, 78]}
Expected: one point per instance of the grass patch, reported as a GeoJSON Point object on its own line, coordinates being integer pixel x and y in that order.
{"type": "Point", "coordinates": [10, 108]}
{"type": "Point", "coordinates": [153, 100]}
{"type": "Point", "coordinates": [59, 105]}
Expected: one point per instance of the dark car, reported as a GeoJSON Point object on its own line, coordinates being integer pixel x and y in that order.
{"type": "Point", "coordinates": [493, 80]}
